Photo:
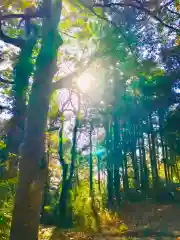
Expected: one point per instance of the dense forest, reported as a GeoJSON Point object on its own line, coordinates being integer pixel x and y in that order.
{"type": "Point", "coordinates": [89, 119]}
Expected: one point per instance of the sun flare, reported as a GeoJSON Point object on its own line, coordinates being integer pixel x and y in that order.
{"type": "Point", "coordinates": [84, 82]}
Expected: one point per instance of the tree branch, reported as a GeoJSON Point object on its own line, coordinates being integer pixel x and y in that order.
{"type": "Point", "coordinates": [115, 25]}
{"type": "Point", "coordinates": [167, 4]}
{"type": "Point", "coordinates": [2, 108]}
{"type": "Point", "coordinates": [150, 13]}
{"type": "Point", "coordinates": [6, 81]}
{"type": "Point", "coordinates": [14, 41]}
{"type": "Point", "coordinates": [173, 12]}
{"type": "Point", "coordinates": [36, 14]}
{"type": "Point", "coordinates": [66, 82]}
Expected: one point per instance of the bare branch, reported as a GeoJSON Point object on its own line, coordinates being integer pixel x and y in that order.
{"type": "Point", "coordinates": [67, 81]}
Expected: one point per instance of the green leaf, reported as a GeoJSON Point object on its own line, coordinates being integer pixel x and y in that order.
{"type": "Point", "coordinates": [2, 144]}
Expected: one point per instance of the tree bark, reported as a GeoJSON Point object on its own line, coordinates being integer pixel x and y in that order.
{"type": "Point", "coordinates": [125, 141]}
{"type": "Point", "coordinates": [26, 213]}
{"type": "Point", "coordinates": [146, 172]}
{"type": "Point", "coordinates": [67, 180]}
{"type": "Point", "coordinates": [110, 187]}
{"type": "Point", "coordinates": [155, 176]}
{"type": "Point", "coordinates": [90, 162]}
{"type": "Point", "coordinates": [161, 121]}
{"type": "Point", "coordinates": [134, 158]}
{"type": "Point", "coordinates": [140, 157]}
{"type": "Point", "coordinates": [23, 70]}
{"type": "Point", "coordinates": [99, 172]}
{"type": "Point", "coordinates": [117, 157]}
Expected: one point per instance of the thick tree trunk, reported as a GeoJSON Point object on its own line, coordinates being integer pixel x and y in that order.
{"type": "Point", "coordinates": [118, 91]}
{"type": "Point", "coordinates": [64, 207]}
{"type": "Point", "coordinates": [26, 213]}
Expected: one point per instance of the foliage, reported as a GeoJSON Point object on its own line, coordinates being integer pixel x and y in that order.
{"type": "Point", "coordinates": [134, 100]}
{"type": "Point", "coordinates": [7, 193]}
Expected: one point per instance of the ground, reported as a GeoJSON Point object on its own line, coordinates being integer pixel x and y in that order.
{"type": "Point", "coordinates": [148, 221]}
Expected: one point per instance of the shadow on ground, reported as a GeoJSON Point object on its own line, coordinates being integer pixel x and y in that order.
{"type": "Point", "coordinates": [133, 221]}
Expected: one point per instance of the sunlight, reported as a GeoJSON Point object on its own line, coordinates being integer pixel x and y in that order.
{"type": "Point", "coordinates": [85, 81]}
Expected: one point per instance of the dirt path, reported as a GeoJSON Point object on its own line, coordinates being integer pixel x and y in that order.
{"type": "Point", "coordinates": [134, 221]}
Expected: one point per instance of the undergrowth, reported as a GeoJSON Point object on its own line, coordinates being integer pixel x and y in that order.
{"type": "Point", "coordinates": [7, 193]}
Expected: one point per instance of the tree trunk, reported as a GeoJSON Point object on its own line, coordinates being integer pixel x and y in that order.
{"type": "Point", "coordinates": [45, 200]}
{"type": "Point", "coordinates": [117, 157]}
{"type": "Point", "coordinates": [125, 141]}
{"type": "Point", "coordinates": [26, 213]}
{"type": "Point", "coordinates": [155, 176]}
{"type": "Point", "coordinates": [90, 163]}
{"type": "Point", "coordinates": [140, 158]}
{"type": "Point", "coordinates": [109, 164]}
{"type": "Point", "coordinates": [134, 158]}
{"type": "Point", "coordinates": [161, 121]}
{"type": "Point", "coordinates": [64, 207]}
{"type": "Point", "coordinates": [142, 153]}
{"type": "Point", "coordinates": [99, 173]}
{"type": "Point", "coordinates": [167, 163]}
{"type": "Point", "coordinates": [146, 172]}
{"type": "Point", "coordinates": [23, 70]}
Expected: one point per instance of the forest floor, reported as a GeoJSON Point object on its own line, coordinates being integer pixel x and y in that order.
{"type": "Point", "coordinates": [133, 221]}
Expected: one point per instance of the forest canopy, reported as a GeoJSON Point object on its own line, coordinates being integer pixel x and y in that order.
{"type": "Point", "coordinates": [89, 111]}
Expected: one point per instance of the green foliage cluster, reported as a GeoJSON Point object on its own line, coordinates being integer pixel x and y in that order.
{"type": "Point", "coordinates": [7, 193]}
{"type": "Point", "coordinates": [84, 214]}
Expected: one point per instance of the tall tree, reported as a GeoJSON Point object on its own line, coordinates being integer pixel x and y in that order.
{"type": "Point", "coordinates": [26, 211]}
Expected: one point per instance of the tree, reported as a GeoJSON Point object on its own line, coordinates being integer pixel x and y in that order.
{"type": "Point", "coordinates": [31, 179]}
{"type": "Point", "coordinates": [134, 91]}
